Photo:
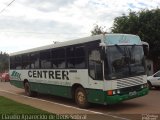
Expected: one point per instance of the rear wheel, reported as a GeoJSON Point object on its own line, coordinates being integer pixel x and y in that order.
{"type": "Point", "coordinates": [81, 98]}
{"type": "Point", "coordinates": [28, 90]}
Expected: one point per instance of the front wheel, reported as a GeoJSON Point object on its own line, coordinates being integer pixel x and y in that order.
{"type": "Point", "coordinates": [81, 98]}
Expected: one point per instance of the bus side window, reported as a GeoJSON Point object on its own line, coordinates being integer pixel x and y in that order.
{"type": "Point", "coordinates": [45, 59]}
{"type": "Point", "coordinates": [34, 59]}
{"type": "Point", "coordinates": [58, 58]}
{"type": "Point", "coordinates": [76, 57]}
{"type": "Point", "coordinates": [25, 61]}
{"type": "Point", "coordinates": [95, 64]}
{"type": "Point", "coordinates": [71, 57]}
{"type": "Point", "coordinates": [18, 62]}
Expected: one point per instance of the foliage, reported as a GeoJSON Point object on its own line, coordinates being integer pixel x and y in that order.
{"type": "Point", "coordinates": [98, 30]}
{"type": "Point", "coordinates": [4, 62]}
{"type": "Point", "coordinates": [145, 23]}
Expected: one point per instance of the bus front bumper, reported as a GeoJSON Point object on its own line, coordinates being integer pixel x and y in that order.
{"type": "Point", "coordinates": [119, 98]}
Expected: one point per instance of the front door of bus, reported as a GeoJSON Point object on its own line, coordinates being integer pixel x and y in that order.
{"type": "Point", "coordinates": [95, 70]}
{"type": "Point", "coordinates": [95, 79]}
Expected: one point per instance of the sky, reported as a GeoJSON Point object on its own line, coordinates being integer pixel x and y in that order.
{"type": "Point", "coordinates": [27, 24]}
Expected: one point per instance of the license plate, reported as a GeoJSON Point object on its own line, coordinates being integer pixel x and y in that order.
{"type": "Point", "coordinates": [132, 93]}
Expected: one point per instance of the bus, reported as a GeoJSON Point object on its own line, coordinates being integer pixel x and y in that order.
{"type": "Point", "coordinates": [103, 69]}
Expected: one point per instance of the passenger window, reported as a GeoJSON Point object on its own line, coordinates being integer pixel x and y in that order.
{"type": "Point", "coordinates": [60, 63]}
{"type": "Point", "coordinates": [70, 52]}
{"type": "Point", "coordinates": [25, 61]}
{"type": "Point", "coordinates": [45, 59]}
{"type": "Point", "coordinates": [80, 63]}
{"type": "Point", "coordinates": [58, 53]}
{"type": "Point", "coordinates": [18, 62]}
{"type": "Point", "coordinates": [71, 62]}
{"type": "Point", "coordinates": [34, 57]}
{"type": "Point", "coordinates": [76, 57]}
{"type": "Point", "coordinates": [80, 51]}
{"type": "Point", "coordinates": [58, 58]}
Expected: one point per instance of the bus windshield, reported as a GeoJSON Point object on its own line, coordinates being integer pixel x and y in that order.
{"type": "Point", "coordinates": [125, 61]}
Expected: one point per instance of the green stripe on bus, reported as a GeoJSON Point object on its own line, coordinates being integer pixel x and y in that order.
{"type": "Point", "coordinates": [93, 95]}
{"type": "Point", "coordinates": [64, 91]}
{"type": "Point", "coordinates": [17, 83]}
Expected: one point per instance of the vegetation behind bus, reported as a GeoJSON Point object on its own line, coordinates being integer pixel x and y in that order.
{"type": "Point", "coordinates": [4, 62]}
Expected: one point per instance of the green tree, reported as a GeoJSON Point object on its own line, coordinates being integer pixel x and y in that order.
{"type": "Point", "coordinates": [98, 30]}
{"type": "Point", "coordinates": [4, 62]}
{"type": "Point", "coordinates": [145, 23]}
{"type": "Point", "coordinates": [126, 24]}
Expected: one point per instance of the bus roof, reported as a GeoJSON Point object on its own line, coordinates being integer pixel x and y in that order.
{"type": "Point", "coordinates": [67, 43]}
{"type": "Point", "coordinates": [60, 44]}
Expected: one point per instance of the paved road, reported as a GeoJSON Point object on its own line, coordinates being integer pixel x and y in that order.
{"type": "Point", "coordinates": [135, 109]}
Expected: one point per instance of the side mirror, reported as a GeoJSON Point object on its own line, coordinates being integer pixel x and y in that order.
{"type": "Point", "coordinates": [145, 48]}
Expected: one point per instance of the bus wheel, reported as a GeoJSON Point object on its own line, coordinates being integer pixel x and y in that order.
{"type": "Point", "coordinates": [81, 98]}
{"type": "Point", "coordinates": [28, 90]}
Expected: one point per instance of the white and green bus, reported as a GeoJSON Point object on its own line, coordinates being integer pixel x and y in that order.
{"type": "Point", "coordinates": [103, 69]}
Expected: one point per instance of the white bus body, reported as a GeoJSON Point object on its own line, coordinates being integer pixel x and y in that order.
{"type": "Point", "coordinates": [104, 69]}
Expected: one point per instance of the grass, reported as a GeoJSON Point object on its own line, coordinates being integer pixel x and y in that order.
{"type": "Point", "coordinates": [10, 110]}
{"type": "Point", "coordinates": [8, 106]}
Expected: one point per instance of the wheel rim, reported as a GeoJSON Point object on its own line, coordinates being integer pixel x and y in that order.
{"type": "Point", "coordinates": [81, 97]}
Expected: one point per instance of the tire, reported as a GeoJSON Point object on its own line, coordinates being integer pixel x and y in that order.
{"type": "Point", "coordinates": [149, 85]}
{"type": "Point", "coordinates": [81, 98]}
{"type": "Point", "coordinates": [28, 91]}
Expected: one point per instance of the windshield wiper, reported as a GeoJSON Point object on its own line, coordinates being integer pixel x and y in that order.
{"type": "Point", "coordinates": [120, 50]}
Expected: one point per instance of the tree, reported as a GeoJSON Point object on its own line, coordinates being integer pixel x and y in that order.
{"type": "Point", "coordinates": [126, 24]}
{"type": "Point", "coordinates": [4, 62]}
{"type": "Point", "coordinates": [98, 30]}
{"type": "Point", "coordinates": [145, 23]}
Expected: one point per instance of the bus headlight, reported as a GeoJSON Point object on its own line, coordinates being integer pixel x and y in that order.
{"type": "Point", "coordinates": [118, 92]}
{"type": "Point", "coordinates": [142, 86]}
{"type": "Point", "coordinates": [113, 92]}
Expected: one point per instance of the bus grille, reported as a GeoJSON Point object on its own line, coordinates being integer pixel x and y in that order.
{"type": "Point", "coordinates": [128, 82]}
{"type": "Point", "coordinates": [129, 89]}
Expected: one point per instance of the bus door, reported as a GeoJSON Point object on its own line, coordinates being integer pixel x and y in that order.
{"type": "Point", "coordinates": [95, 69]}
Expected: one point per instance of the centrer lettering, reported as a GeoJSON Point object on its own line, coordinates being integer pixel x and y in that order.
{"type": "Point", "coordinates": [57, 74]}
